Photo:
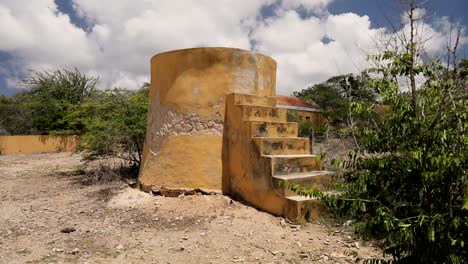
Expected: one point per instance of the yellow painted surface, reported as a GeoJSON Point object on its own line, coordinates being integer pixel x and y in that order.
{"type": "Point", "coordinates": [283, 145]}
{"type": "Point", "coordinates": [249, 161]}
{"type": "Point", "coordinates": [274, 129]}
{"type": "Point", "coordinates": [245, 172]}
{"type": "Point", "coordinates": [264, 113]}
{"type": "Point", "coordinates": [196, 81]}
{"type": "Point", "coordinates": [198, 87]}
{"type": "Point", "coordinates": [184, 162]}
{"type": "Point", "coordinates": [314, 117]}
{"type": "Point", "coordinates": [36, 144]}
{"type": "Point", "coordinates": [248, 99]}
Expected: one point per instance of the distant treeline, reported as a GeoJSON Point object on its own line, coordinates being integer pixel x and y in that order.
{"type": "Point", "coordinates": [67, 102]}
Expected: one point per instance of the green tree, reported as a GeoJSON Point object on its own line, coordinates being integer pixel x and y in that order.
{"type": "Point", "coordinates": [305, 125]}
{"type": "Point", "coordinates": [335, 95]}
{"type": "Point", "coordinates": [114, 124]}
{"type": "Point", "coordinates": [408, 183]}
{"type": "Point", "coordinates": [15, 115]}
{"type": "Point", "coordinates": [52, 94]}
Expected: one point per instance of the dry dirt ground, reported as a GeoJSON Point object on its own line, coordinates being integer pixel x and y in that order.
{"type": "Point", "coordinates": [48, 216]}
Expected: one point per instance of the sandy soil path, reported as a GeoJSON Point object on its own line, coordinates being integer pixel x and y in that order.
{"type": "Point", "coordinates": [48, 216]}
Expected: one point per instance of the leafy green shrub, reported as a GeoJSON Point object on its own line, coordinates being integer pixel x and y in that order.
{"type": "Point", "coordinates": [114, 124]}
{"type": "Point", "coordinates": [320, 132]}
{"type": "Point", "coordinates": [306, 127]}
{"type": "Point", "coordinates": [52, 95]}
{"type": "Point", "coordinates": [49, 98]}
{"type": "Point", "coordinates": [408, 183]}
{"type": "Point", "coordinates": [15, 115]}
{"type": "Point", "coordinates": [111, 123]}
{"type": "Point", "coordinates": [410, 178]}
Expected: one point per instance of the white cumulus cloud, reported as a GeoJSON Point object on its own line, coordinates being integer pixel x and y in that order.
{"type": "Point", "coordinates": [124, 34]}
{"type": "Point", "coordinates": [38, 35]}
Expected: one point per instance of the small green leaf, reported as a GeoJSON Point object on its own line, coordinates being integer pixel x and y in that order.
{"type": "Point", "coordinates": [453, 242]}
{"type": "Point", "coordinates": [362, 206]}
{"type": "Point", "coordinates": [431, 232]}
{"type": "Point", "coordinates": [465, 202]}
{"type": "Point", "coordinates": [294, 187]}
{"type": "Point", "coordinates": [336, 163]}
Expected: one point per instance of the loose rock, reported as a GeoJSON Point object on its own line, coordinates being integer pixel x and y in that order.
{"type": "Point", "coordinates": [120, 247]}
{"type": "Point", "coordinates": [67, 230]}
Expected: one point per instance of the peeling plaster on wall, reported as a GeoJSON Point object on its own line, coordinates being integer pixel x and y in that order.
{"type": "Point", "coordinates": [166, 122]}
{"type": "Point", "coordinates": [190, 124]}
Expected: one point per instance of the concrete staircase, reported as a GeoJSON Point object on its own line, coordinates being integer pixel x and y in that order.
{"type": "Point", "coordinates": [260, 148]}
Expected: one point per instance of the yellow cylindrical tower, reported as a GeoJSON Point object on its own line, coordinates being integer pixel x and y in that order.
{"type": "Point", "coordinates": [186, 113]}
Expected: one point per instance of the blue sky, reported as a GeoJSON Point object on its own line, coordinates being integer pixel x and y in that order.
{"type": "Point", "coordinates": [114, 39]}
{"type": "Point", "coordinates": [66, 7]}
{"type": "Point", "coordinates": [378, 10]}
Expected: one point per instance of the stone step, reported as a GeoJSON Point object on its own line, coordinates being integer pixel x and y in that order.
{"type": "Point", "coordinates": [307, 208]}
{"type": "Point", "coordinates": [264, 113]}
{"type": "Point", "coordinates": [322, 180]}
{"type": "Point", "coordinates": [282, 145]}
{"type": "Point", "coordinates": [252, 99]}
{"type": "Point", "coordinates": [297, 163]}
{"type": "Point", "coordinates": [301, 207]}
{"type": "Point", "coordinates": [274, 129]}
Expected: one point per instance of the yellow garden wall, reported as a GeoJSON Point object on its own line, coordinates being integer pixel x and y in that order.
{"type": "Point", "coordinates": [36, 144]}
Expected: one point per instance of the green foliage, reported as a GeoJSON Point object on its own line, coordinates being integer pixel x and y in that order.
{"type": "Point", "coordinates": [110, 123]}
{"type": "Point", "coordinates": [301, 190]}
{"type": "Point", "coordinates": [51, 96]}
{"type": "Point", "coordinates": [15, 115]}
{"type": "Point", "coordinates": [408, 183]}
{"type": "Point", "coordinates": [305, 126]}
{"type": "Point", "coordinates": [114, 124]}
{"type": "Point", "coordinates": [463, 68]}
{"type": "Point", "coordinates": [336, 94]}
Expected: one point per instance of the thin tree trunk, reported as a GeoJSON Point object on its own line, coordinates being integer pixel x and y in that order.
{"type": "Point", "coordinates": [412, 51]}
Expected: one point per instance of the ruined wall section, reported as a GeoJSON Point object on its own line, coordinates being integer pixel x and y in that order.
{"type": "Point", "coordinates": [165, 122]}
{"type": "Point", "coordinates": [190, 124]}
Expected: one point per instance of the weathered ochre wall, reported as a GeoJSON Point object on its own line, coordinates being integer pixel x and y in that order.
{"type": "Point", "coordinates": [258, 145]}
{"type": "Point", "coordinates": [246, 175]}
{"type": "Point", "coordinates": [314, 117]}
{"type": "Point", "coordinates": [36, 144]}
{"type": "Point", "coordinates": [185, 118]}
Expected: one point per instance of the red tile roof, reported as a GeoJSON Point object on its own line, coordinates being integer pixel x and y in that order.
{"type": "Point", "coordinates": [294, 101]}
